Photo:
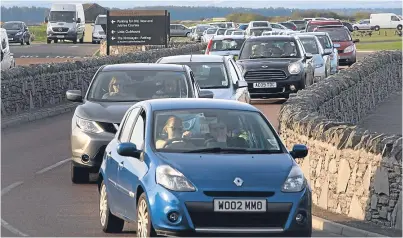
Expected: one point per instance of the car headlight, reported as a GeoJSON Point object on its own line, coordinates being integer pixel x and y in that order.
{"type": "Point", "coordinates": [319, 65]}
{"type": "Point", "coordinates": [295, 181]}
{"type": "Point", "coordinates": [88, 126]}
{"type": "Point", "coordinates": [172, 179]}
{"type": "Point", "coordinates": [18, 33]}
{"type": "Point", "coordinates": [294, 68]}
{"type": "Point", "coordinates": [349, 49]}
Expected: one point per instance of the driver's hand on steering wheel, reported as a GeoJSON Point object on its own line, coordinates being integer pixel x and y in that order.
{"type": "Point", "coordinates": [186, 134]}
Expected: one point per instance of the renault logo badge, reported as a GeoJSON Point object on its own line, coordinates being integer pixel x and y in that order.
{"type": "Point", "coordinates": [60, 29]}
{"type": "Point", "coordinates": [238, 182]}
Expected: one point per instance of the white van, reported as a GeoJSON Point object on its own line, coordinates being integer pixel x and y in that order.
{"type": "Point", "coordinates": [66, 21]}
{"type": "Point", "coordinates": [98, 33]}
{"type": "Point", "coordinates": [7, 58]}
{"type": "Point", "coordinates": [385, 21]}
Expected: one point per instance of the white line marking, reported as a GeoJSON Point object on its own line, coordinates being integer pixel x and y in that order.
{"type": "Point", "coordinates": [10, 187]}
{"type": "Point", "coordinates": [53, 166]}
{"type": "Point", "coordinates": [74, 46]}
{"type": "Point", "coordinates": [11, 228]}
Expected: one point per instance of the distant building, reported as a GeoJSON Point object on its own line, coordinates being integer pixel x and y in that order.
{"type": "Point", "coordinates": [92, 10]}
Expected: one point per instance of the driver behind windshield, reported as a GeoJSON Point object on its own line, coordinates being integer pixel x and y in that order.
{"type": "Point", "coordinates": [115, 86]}
{"type": "Point", "coordinates": [170, 88]}
{"type": "Point", "coordinates": [173, 128]}
{"type": "Point", "coordinates": [219, 137]}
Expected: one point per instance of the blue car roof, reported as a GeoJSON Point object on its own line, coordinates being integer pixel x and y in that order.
{"type": "Point", "coordinates": [195, 103]}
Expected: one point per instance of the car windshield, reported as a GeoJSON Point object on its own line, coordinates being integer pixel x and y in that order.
{"type": "Point", "coordinates": [12, 26]}
{"type": "Point", "coordinates": [336, 34]}
{"type": "Point", "coordinates": [229, 32]}
{"type": "Point", "coordinates": [310, 45]}
{"type": "Point", "coordinates": [238, 33]}
{"type": "Point", "coordinates": [208, 75]}
{"type": "Point", "coordinates": [202, 28]}
{"type": "Point", "coordinates": [259, 31]}
{"type": "Point", "coordinates": [221, 31]}
{"type": "Point", "coordinates": [100, 20]}
{"type": "Point", "coordinates": [269, 48]}
{"type": "Point", "coordinates": [138, 85]}
{"type": "Point", "coordinates": [227, 44]}
{"type": "Point", "coordinates": [212, 30]}
{"type": "Point", "coordinates": [62, 16]}
{"type": "Point", "coordinates": [324, 41]}
{"type": "Point", "coordinates": [213, 131]}
{"type": "Point", "coordinates": [260, 24]}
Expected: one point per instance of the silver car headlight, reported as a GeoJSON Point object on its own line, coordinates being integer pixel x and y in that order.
{"type": "Point", "coordinates": [88, 126]}
{"type": "Point", "coordinates": [294, 68]}
{"type": "Point", "coordinates": [319, 65]}
{"type": "Point", "coordinates": [172, 179]}
{"type": "Point", "coordinates": [295, 181]}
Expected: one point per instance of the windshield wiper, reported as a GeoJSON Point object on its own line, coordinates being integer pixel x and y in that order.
{"type": "Point", "coordinates": [234, 150]}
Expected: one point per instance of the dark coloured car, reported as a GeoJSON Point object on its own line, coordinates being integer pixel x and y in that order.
{"type": "Point", "coordinates": [301, 24]}
{"type": "Point", "coordinates": [289, 25]}
{"type": "Point", "coordinates": [275, 66]}
{"type": "Point", "coordinates": [17, 32]}
{"type": "Point", "coordinates": [348, 25]}
{"type": "Point", "coordinates": [113, 90]}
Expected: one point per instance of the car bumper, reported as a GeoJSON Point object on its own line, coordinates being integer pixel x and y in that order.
{"type": "Point", "coordinates": [197, 216]}
{"type": "Point", "coordinates": [15, 39]}
{"type": "Point", "coordinates": [347, 58]}
{"type": "Point", "coordinates": [98, 38]}
{"type": "Point", "coordinates": [62, 36]}
{"type": "Point", "coordinates": [282, 89]}
{"type": "Point", "coordinates": [85, 144]}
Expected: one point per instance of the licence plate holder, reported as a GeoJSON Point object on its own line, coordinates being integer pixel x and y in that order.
{"type": "Point", "coordinates": [240, 205]}
{"type": "Point", "coordinates": [265, 85]}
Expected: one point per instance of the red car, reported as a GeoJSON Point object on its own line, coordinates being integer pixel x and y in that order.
{"type": "Point", "coordinates": [343, 41]}
{"type": "Point", "coordinates": [313, 24]}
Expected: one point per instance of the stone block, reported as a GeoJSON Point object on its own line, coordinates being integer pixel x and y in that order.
{"type": "Point", "coordinates": [356, 210]}
{"type": "Point", "coordinates": [381, 181]}
{"type": "Point", "coordinates": [343, 176]}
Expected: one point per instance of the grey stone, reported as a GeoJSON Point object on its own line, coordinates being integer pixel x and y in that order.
{"type": "Point", "coordinates": [396, 216]}
{"type": "Point", "coordinates": [383, 212]}
{"type": "Point", "coordinates": [367, 178]}
{"type": "Point", "coordinates": [382, 181]}
{"type": "Point", "coordinates": [343, 176]}
{"type": "Point", "coordinates": [374, 202]}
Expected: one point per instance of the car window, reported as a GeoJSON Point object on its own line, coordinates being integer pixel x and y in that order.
{"type": "Point", "coordinates": [259, 31]}
{"type": "Point", "coordinates": [227, 44]}
{"type": "Point", "coordinates": [238, 71]}
{"type": "Point", "coordinates": [202, 28]}
{"type": "Point", "coordinates": [138, 85]}
{"type": "Point", "coordinates": [325, 41]}
{"type": "Point", "coordinates": [259, 24]}
{"type": "Point", "coordinates": [212, 30]}
{"type": "Point", "coordinates": [337, 34]}
{"type": "Point", "coordinates": [221, 31]}
{"type": "Point", "coordinates": [310, 45]}
{"type": "Point", "coordinates": [232, 72]}
{"type": "Point", "coordinates": [276, 26]}
{"type": "Point", "coordinates": [137, 136]}
{"type": "Point", "coordinates": [394, 18]}
{"type": "Point", "coordinates": [12, 26]}
{"type": "Point", "coordinates": [270, 48]}
{"type": "Point", "coordinates": [128, 125]}
{"type": "Point", "coordinates": [101, 20]}
{"type": "Point", "coordinates": [212, 128]}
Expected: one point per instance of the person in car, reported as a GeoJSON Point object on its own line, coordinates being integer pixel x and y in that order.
{"type": "Point", "coordinates": [289, 49]}
{"type": "Point", "coordinates": [171, 88]}
{"type": "Point", "coordinates": [173, 129]}
{"type": "Point", "coordinates": [114, 89]}
{"type": "Point", "coordinates": [218, 137]}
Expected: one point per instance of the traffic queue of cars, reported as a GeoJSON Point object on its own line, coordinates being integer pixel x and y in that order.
{"type": "Point", "coordinates": [180, 150]}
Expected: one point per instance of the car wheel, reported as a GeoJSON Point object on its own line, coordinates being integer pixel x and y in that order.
{"type": "Point", "coordinates": [377, 28]}
{"type": "Point", "coordinates": [49, 41]}
{"type": "Point", "coordinates": [23, 41]}
{"type": "Point", "coordinates": [144, 226]}
{"type": "Point", "coordinates": [82, 39]}
{"type": "Point", "coordinates": [109, 222]}
{"type": "Point", "coordinates": [399, 27]}
{"type": "Point", "coordinates": [356, 28]}
{"type": "Point", "coordinates": [79, 174]}
{"type": "Point", "coordinates": [56, 40]}
{"type": "Point", "coordinates": [29, 41]}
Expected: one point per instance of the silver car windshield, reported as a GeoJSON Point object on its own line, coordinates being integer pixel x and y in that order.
{"type": "Point", "coordinates": [325, 42]}
{"type": "Point", "coordinates": [138, 85]}
{"type": "Point", "coordinates": [234, 131]}
{"type": "Point", "coordinates": [310, 45]}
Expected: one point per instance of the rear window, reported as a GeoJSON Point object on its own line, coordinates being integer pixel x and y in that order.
{"type": "Point", "coordinates": [227, 44]}
{"type": "Point", "coordinates": [100, 21]}
{"type": "Point", "coordinates": [260, 24]}
{"type": "Point", "coordinates": [221, 31]}
{"type": "Point", "coordinates": [212, 31]}
{"type": "Point", "coordinates": [202, 28]}
{"type": "Point", "coordinates": [325, 42]}
{"type": "Point", "coordinates": [337, 34]}
{"type": "Point", "coordinates": [299, 22]}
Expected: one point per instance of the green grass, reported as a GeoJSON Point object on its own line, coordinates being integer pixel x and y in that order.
{"type": "Point", "coordinates": [380, 46]}
{"type": "Point", "coordinates": [378, 36]}
{"type": "Point", "coordinates": [39, 32]}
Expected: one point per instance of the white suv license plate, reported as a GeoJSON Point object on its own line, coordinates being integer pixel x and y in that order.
{"type": "Point", "coordinates": [236, 205]}
{"type": "Point", "coordinates": [265, 85]}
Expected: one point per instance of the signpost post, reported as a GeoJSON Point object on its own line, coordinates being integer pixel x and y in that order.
{"type": "Point", "coordinates": [137, 27]}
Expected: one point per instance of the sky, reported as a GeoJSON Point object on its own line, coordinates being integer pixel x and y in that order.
{"type": "Point", "coordinates": [301, 4]}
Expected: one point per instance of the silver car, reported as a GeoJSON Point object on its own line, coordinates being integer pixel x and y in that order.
{"type": "Point", "coordinates": [225, 45]}
{"type": "Point", "coordinates": [208, 34]}
{"type": "Point", "coordinates": [229, 31]}
{"type": "Point", "coordinates": [363, 25]}
{"type": "Point", "coordinates": [179, 30]}
{"type": "Point", "coordinates": [238, 33]}
{"type": "Point", "coordinates": [328, 47]}
{"type": "Point", "coordinates": [198, 32]}
{"type": "Point", "coordinates": [219, 74]}
{"type": "Point", "coordinates": [320, 59]}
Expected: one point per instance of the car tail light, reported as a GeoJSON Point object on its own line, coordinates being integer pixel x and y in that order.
{"type": "Point", "coordinates": [294, 28]}
{"type": "Point", "coordinates": [210, 43]}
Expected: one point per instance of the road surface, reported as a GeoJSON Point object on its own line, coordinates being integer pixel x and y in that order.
{"type": "Point", "coordinates": [43, 50]}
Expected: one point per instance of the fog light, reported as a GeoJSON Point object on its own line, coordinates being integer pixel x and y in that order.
{"type": "Point", "coordinates": [299, 218]}
{"type": "Point", "coordinates": [292, 87]}
{"type": "Point", "coordinates": [173, 216]}
{"type": "Point", "coordinates": [85, 158]}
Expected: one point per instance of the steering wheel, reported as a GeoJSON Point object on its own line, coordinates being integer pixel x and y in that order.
{"type": "Point", "coordinates": [170, 141]}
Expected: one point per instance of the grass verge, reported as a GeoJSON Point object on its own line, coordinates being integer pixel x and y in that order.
{"type": "Point", "coordinates": [39, 32]}
{"type": "Point", "coordinates": [380, 46]}
{"type": "Point", "coordinates": [381, 35]}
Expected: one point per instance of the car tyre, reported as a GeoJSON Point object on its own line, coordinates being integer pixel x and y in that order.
{"type": "Point", "coordinates": [109, 222]}
{"type": "Point", "coordinates": [49, 41]}
{"type": "Point", "coordinates": [82, 39]}
{"type": "Point", "coordinates": [399, 27]}
{"type": "Point", "coordinates": [356, 28]}
{"type": "Point", "coordinates": [144, 226]}
{"type": "Point", "coordinates": [23, 41]}
{"type": "Point", "coordinates": [79, 175]}
{"type": "Point", "coordinates": [29, 41]}
{"type": "Point", "coordinates": [376, 28]}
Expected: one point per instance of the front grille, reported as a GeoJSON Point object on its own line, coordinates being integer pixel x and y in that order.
{"type": "Point", "coordinates": [340, 51]}
{"type": "Point", "coordinates": [237, 194]}
{"type": "Point", "coordinates": [202, 218]}
{"type": "Point", "coordinates": [265, 74]}
{"type": "Point", "coordinates": [60, 29]}
{"type": "Point", "coordinates": [108, 127]}
{"type": "Point", "coordinates": [252, 90]}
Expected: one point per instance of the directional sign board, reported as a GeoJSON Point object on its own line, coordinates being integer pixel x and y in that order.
{"type": "Point", "coordinates": [137, 27]}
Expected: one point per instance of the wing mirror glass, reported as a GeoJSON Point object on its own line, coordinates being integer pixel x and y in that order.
{"type": "Point", "coordinates": [128, 149]}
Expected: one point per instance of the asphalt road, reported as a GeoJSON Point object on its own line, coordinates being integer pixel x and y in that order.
{"type": "Point", "coordinates": [59, 50]}
{"type": "Point", "coordinates": [38, 198]}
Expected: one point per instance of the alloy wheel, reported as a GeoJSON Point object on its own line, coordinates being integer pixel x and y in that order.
{"type": "Point", "coordinates": [103, 205]}
{"type": "Point", "coordinates": [142, 219]}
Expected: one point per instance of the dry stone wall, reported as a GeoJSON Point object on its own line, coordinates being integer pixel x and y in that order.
{"type": "Point", "coordinates": [351, 171]}
{"type": "Point", "coordinates": [28, 88]}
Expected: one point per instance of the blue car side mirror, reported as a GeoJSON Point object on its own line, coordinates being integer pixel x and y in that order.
{"type": "Point", "coordinates": [299, 151]}
{"type": "Point", "coordinates": [128, 149]}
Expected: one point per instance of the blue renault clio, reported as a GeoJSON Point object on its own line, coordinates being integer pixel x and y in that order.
{"type": "Point", "coordinates": [231, 175]}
